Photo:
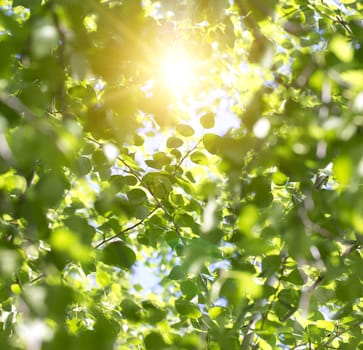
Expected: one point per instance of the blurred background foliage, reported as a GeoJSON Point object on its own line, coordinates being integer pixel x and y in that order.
{"type": "Point", "coordinates": [181, 174]}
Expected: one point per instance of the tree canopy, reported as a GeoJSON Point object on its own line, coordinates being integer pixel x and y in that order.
{"type": "Point", "coordinates": [181, 174]}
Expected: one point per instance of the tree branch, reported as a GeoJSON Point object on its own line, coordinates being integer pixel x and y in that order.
{"type": "Point", "coordinates": [142, 182]}
{"type": "Point", "coordinates": [185, 156]}
{"type": "Point", "coordinates": [337, 334]}
{"type": "Point", "coordinates": [127, 229]}
{"type": "Point", "coordinates": [312, 225]}
{"type": "Point", "coordinates": [18, 106]}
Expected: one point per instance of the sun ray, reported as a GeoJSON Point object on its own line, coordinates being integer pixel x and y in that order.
{"type": "Point", "coordinates": [177, 70]}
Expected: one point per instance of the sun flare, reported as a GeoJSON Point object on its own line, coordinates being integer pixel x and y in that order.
{"type": "Point", "coordinates": [177, 70]}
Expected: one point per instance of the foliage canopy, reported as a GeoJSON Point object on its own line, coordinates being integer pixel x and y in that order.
{"type": "Point", "coordinates": [213, 145]}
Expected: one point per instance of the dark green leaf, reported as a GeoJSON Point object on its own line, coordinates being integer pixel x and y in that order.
{"type": "Point", "coordinates": [83, 166]}
{"type": "Point", "coordinates": [136, 196]}
{"type": "Point", "coordinates": [154, 341]}
{"type": "Point", "coordinates": [188, 309]}
{"type": "Point", "coordinates": [271, 264]}
{"type": "Point", "coordinates": [177, 273]}
{"type": "Point", "coordinates": [153, 312]}
{"type": "Point", "coordinates": [118, 254]}
{"type": "Point", "coordinates": [130, 310]}
{"type": "Point", "coordinates": [189, 289]}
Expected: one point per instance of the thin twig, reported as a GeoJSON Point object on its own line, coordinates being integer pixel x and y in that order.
{"type": "Point", "coordinates": [336, 19]}
{"type": "Point", "coordinates": [127, 229]}
{"type": "Point", "coordinates": [312, 225]}
{"type": "Point", "coordinates": [185, 156]}
{"type": "Point", "coordinates": [287, 14]}
{"type": "Point", "coordinates": [315, 285]}
{"type": "Point", "coordinates": [35, 279]}
{"type": "Point", "coordinates": [18, 106]}
{"type": "Point", "coordinates": [336, 335]}
{"type": "Point", "coordinates": [137, 176]}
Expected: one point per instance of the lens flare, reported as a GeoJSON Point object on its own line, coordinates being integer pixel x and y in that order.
{"type": "Point", "coordinates": [177, 70]}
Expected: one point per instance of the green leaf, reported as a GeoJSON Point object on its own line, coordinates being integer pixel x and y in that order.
{"type": "Point", "coordinates": [51, 187]}
{"type": "Point", "coordinates": [260, 191]}
{"type": "Point", "coordinates": [211, 143]}
{"type": "Point", "coordinates": [271, 264]}
{"type": "Point", "coordinates": [185, 220]}
{"type": "Point", "coordinates": [84, 93]}
{"type": "Point", "coordinates": [159, 183]}
{"type": "Point", "coordinates": [101, 169]}
{"type": "Point", "coordinates": [102, 278]}
{"type": "Point", "coordinates": [295, 277]}
{"type": "Point", "coordinates": [247, 218]}
{"type": "Point", "coordinates": [58, 299]}
{"type": "Point", "coordinates": [83, 166]}
{"type": "Point", "coordinates": [188, 309]}
{"type": "Point", "coordinates": [174, 142]}
{"type": "Point", "coordinates": [199, 158]}
{"type": "Point", "coordinates": [136, 196]}
{"type": "Point", "coordinates": [207, 120]}
{"type": "Point", "coordinates": [172, 238]}
{"type": "Point", "coordinates": [118, 254]}
{"type": "Point", "coordinates": [160, 159]}
{"type": "Point", "coordinates": [279, 178]}
{"type": "Point", "coordinates": [119, 182]}
{"type": "Point", "coordinates": [154, 313]}
{"type": "Point", "coordinates": [349, 289]}
{"type": "Point", "coordinates": [67, 244]}
{"type": "Point", "coordinates": [189, 289]}
{"type": "Point", "coordinates": [154, 341]}
{"type": "Point", "coordinates": [185, 130]}
{"type": "Point", "coordinates": [130, 310]}
{"type": "Point", "coordinates": [289, 298]}
{"type": "Point", "coordinates": [177, 273]}
{"type": "Point", "coordinates": [342, 48]}
{"type": "Point", "coordinates": [82, 227]}
{"type": "Point", "coordinates": [216, 311]}
{"type": "Point", "coordinates": [343, 170]}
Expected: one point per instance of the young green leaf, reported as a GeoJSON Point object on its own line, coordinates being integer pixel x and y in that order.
{"type": "Point", "coordinates": [174, 142]}
{"type": "Point", "coordinates": [185, 130]}
{"type": "Point", "coordinates": [207, 120]}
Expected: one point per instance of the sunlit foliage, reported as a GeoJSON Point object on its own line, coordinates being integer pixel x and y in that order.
{"type": "Point", "coordinates": [181, 174]}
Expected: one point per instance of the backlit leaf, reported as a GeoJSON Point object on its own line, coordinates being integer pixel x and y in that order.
{"type": "Point", "coordinates": [118, 254]}
{"type": "Point", "coordinates": [207, 121]}
{"type": "Point", "coordinates": [188, 309]}
{"type": "Point", "coordinates": [185, 130]}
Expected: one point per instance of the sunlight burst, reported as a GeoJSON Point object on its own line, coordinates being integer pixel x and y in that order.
{"type": "Point", "coordinates": [177, 69]}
